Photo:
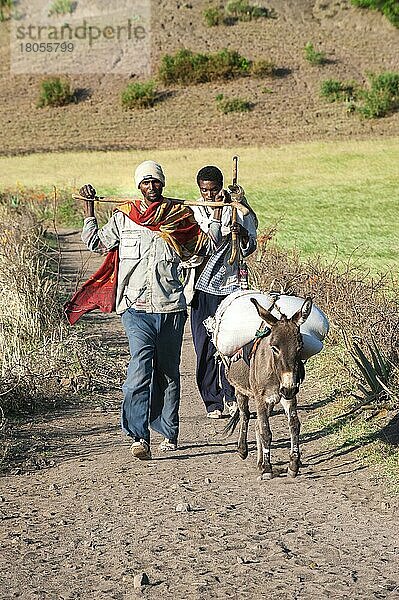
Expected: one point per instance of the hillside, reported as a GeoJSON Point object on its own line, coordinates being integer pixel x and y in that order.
{"type": "Point", "coordinates": [355, 42]}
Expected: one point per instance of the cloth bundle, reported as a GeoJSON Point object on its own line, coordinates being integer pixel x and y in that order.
{"type": "Point", "coordinates": [236, 321]}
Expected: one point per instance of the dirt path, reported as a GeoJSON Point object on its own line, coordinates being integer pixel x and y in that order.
{"type": "Point", "coordinates": [82, 527]}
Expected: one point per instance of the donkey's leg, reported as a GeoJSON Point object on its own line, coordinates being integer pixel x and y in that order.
{"type": "Point", "coordinates": [290, 408]}
{"type": "Point", "coordinates": [264, 438]}
{"type": "Point", "coordinates": [242, 445]}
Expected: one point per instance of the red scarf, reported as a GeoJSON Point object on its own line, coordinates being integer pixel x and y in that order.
{"type": "Point", "coordinates": [173, 222]}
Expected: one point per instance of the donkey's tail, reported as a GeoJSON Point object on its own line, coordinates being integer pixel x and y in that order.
{"type": "Point", "coordinates": [231, 424]}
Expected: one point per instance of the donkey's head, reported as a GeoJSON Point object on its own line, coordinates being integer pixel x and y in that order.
{"type": "Point", "coordinates": [285, 345]}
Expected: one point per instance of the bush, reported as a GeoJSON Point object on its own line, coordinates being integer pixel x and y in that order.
{"type": "Point", "coordinates": [41, 360]}
{"type": "Point", "coordinates": [55, 92]}
{"type": "Point", "coordinates": [5, 9]}
{"type": "Point", "coordinates": [139, 95]}
{"type": "Point", "coordinates": [375, 104]}
{"type": "Point", "coordinates": [263, 68]}
{"type": "Point", "coordinates": [213, 16]}
{"type": "Point", "coordinates": [61, 7]}
{"type": "Point", "coordinates": [243, 11]}
{"type": "Point", "coordinates": [386, 81]}
{"type": "Point", "coordinates": [187, 67]}
{"type": "Point", "coordinates": [365, 308]}
{"type": "Point", "coordinates": [389, 8]}
{"type": "Point", "coordinates": [226, 105]}
{"type": "Point", "coordinates": [334, 91]}
{"type": "Point", "coordinates": [314, 57]}
{"type": "Point", "coordinates": [380, 99]}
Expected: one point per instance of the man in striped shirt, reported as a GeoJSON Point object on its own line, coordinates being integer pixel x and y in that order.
{"type": "Point", "coordinates": [214, 279]}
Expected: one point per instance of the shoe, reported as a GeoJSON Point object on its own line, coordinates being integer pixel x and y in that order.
{"type": "Point", "coordinates": [167, 445]}
{"type": "Point", "coordinates": [215, 414]}
{"type": "Point", "coordinates": [141, 450]}
{"type": "Point", "coordinates": [231, 407]}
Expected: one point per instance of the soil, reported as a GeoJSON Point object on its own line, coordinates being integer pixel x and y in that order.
{"type": "Point", "coordinates": [81, 517]}
{"type": "Point", "coordinates": [288, 108]}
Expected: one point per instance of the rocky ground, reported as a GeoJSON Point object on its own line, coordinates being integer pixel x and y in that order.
{"type": "Point", "coordinates": [81, 519]}
{"type": "Point", "coordinates": [287, 108]}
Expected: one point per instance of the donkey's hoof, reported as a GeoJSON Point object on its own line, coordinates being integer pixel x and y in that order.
{"type": "Point", "coordinates": [291, 472]}
{"type": "Point", "coordinates": [265, 476]}
{"type": "Point", "coordinates": [242, 453]}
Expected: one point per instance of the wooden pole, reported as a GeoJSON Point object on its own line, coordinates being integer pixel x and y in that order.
{"type": "Point", "coordinates": [234, 235]}
{"type": "Point", "coordinates": [120, 200]}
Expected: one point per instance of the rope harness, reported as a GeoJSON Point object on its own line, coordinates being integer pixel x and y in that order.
{"type": "Point", "coordinates": [261, 333]}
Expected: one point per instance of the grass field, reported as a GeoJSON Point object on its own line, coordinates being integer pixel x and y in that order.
{"type": "Point", "coordinates": [328, 198]}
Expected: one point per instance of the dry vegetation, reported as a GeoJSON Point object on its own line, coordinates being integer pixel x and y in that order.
{"type": "Point", "coordinates": [364, 319]}
{"type": "Point", "coordinates": [42, 360]}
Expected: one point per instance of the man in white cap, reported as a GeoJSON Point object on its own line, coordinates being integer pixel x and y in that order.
{"type": "Point", "coordinates": [146, 239]}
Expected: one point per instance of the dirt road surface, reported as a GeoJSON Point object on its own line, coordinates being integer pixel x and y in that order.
{"type": "Point", "coordinates": [93, 517]}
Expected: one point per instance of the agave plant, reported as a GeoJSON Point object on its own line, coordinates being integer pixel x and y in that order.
{"type": "Point", "coordinates": [375, 372]}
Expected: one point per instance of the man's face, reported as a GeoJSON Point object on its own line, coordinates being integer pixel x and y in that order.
{"type": "Point", "coordinates": [151, 190]}
{"type": "Point", "coordinates": [209, 190]}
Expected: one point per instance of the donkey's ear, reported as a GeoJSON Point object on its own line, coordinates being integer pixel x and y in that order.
{"type": "Point", "coordinates": [300, 317]}
{"type": "Point", "coordinates": [263, 313]}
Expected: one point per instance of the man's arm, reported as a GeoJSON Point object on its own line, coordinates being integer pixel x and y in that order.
{"type": "Point", "coordinates": [246, 226]}
{"type": "Point", "coordinates": [97, 240]}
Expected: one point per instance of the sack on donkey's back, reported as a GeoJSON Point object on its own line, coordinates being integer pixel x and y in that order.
{"type": "Point", "coordinates": [236, 321]}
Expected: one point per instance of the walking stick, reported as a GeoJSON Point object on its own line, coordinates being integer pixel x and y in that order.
{"type": "Point", "coordinates": [234, 235]}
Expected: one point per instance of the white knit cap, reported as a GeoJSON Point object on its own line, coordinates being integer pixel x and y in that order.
{"type": "Point", "coordinates": [149, 170]}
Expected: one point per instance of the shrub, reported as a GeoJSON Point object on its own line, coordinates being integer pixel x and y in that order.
{"type": "Point", "coordinates": [389, 8]}
{"type": "Point", "coordinates": [241, 10]}
{"type": "Point", "coordinates": [227, 105]}
{"type": "Point", "coordinates": [375, 104]}
{"type": "Point", "coordinates": [5, 8]}
{"type": "Point", "coordinates": [314, 57]}
{"type": "Point", "coordinates": [41, 360]}
{"type": "Point", "coordinates": [213, 16]}
{"type": "Point", "coordinates": [55, 92]}
{"type": "Point", "coordinates": [382, 97]}
{"type": "Point", "coordinates": [186, 67]}
{"type": "Point", "coordinates": [139, 95]}
{"type": "Point", "coordinates": [333, 90]}
{"type": "Point", "coordinates": [365, 308]}
{"type": "Point", "coordinates": [263, 68]}
{"type": "Point", "coordinates": [61, 7]}
{"type": "Point", "coordinates": [386, 81]}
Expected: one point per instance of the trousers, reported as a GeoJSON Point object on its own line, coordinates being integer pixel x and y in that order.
{"type": "Point", "coordinates": [151, 392]}
{"type": "Point", "coordinates": [211, 379]}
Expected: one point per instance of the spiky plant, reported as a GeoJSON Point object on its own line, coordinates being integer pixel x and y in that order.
{"type": "Point", "coordinates": [375, 373]}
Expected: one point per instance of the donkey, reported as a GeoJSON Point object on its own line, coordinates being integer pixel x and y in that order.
{"type": "Point", "coordinates": [273, 374]}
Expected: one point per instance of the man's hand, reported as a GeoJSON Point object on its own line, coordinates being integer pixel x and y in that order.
{"type": "Point", "coordinates": [88, 191]}
{"type": "Point", "coordinates": [237, 193]}
{"type": "Point", "coordinates": [223, 196]}
{"type": "Point", "coordinates": [240, 231]}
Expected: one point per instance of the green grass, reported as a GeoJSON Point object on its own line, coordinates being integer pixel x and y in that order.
{"type": "Point", "coordinates": [328, 198]}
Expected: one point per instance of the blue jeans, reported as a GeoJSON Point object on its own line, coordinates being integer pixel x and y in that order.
{"type": "Point", "coordinates": [152, 387]}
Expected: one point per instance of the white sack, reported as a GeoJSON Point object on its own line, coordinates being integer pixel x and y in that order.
{"type": "Point", "coordinates": [236, 321]}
